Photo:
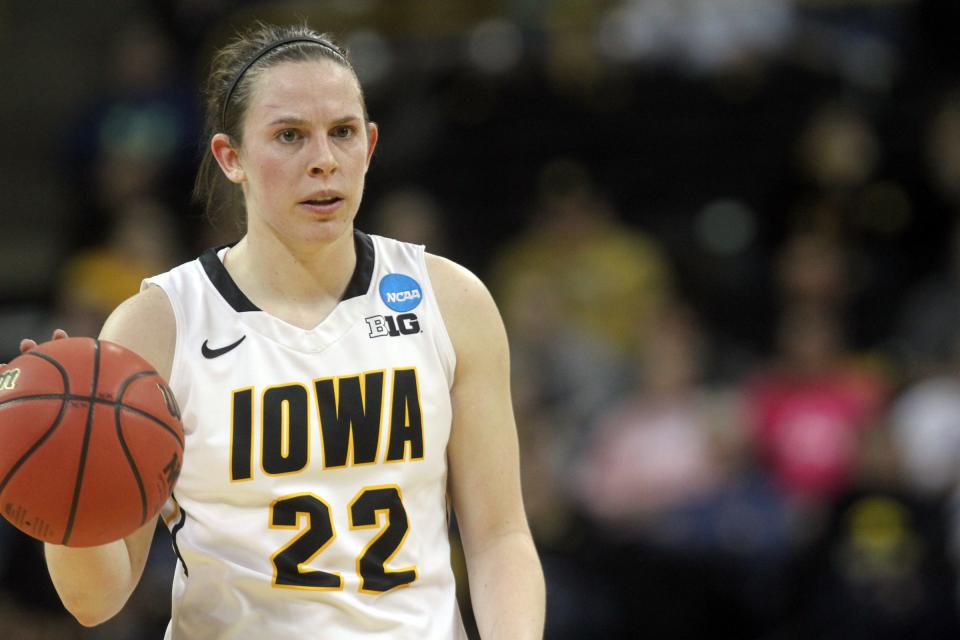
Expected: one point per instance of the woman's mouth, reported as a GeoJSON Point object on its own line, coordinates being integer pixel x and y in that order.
{"type": "Point", "coordinates": [322, 205]}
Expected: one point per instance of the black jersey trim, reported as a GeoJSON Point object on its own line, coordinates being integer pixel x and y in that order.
{"type": "Point", "coordinates": [223, 282]}
{"type": "Point", "coordinates": [363, 273]}
{"type": "Point", "coordinates": [174, 530]}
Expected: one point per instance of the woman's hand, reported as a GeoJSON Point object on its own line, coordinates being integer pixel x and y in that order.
{"type": "Point", "coordinates": [26, 344]}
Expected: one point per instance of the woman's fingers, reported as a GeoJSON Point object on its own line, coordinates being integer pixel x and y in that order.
{"type": "Point", "coordinates": [26, 344]}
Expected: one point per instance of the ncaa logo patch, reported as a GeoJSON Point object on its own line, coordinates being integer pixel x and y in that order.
{"type": "Point", "coordinates": [399, 292]}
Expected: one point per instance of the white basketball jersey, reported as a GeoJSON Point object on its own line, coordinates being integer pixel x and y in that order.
{"type": "Point", "coordinates": [312, 501]}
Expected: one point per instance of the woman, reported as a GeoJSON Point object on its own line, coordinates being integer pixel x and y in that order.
{"type": "Point", "coordinates": [329, 383]}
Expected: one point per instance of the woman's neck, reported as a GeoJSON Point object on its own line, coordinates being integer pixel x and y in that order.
{"type": "Point", "coordinates": [300, 283]}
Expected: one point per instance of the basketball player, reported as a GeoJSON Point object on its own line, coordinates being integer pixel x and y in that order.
{"type": "Point", "coordinates": [335, 387]}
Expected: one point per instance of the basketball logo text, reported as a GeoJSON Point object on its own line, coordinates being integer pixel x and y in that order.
{"type": "Point", "coordinates": [172, 471]}
{"type": "Point", "coordinates": [169, 400]}
{"type": "Point", "coordinates": [8, 379]}
{"type": "Point", "coordinates": [32, 524]}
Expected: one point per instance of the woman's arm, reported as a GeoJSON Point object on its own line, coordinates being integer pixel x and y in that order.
{"type": "Point", "coordinates": [95, 582]}
{"type": "Point", "coordinates": [506, 580]}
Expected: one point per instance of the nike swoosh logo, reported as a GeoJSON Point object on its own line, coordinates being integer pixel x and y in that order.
{"type": "Point", "coordinates": [210, 354]}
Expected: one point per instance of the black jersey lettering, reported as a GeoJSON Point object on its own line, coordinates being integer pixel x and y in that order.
{"type": "Point", "coordinates": [241, 435]}
{"type": "Point", "coordinates": [367, 510]}
{"type": "Point", "coordinates": [289, 562]}
{"type": "Point", "coordinates": [406, 418]}
{"type": "Point", "coordinates": [350, 410]}
{"type": "Point", "coordinates": [286, 429]}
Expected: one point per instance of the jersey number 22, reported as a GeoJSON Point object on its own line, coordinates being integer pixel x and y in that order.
{"type": "Point", "coordinates": [364, 511]}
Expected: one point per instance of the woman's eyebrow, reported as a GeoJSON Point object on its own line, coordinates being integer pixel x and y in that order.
{"type": "Point", "coordinates": [289, 120]}
{"type": "Point", "coordinates": [298, 121]}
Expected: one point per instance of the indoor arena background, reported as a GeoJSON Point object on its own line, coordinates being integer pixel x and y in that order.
{"type": "Point", "coordinates": [722, 233]}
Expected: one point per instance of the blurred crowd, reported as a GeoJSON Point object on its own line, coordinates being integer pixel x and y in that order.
{"type": "Point", "coordinates": [725, 239]}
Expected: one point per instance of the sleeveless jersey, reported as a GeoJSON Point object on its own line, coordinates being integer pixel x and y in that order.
{"type": "Point", "coordinates": [312, 501]}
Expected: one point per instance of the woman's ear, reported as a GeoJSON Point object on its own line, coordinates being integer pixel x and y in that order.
{"type": "Point", "coordinates": [373, 134]}
{"type": "Point", "coordinates": [227, 157]}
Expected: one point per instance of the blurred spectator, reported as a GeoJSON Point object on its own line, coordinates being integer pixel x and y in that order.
{"type": "Point", "coordinates": [137, 140]}
{"type": "Point", "coordinates": [838, 153]}
{"type": "Point", "coordinates": [812, 271]}
{"type": "Point", "coordinates": [663, 446]}
{"type": "Point", "coordinates": [809, 408]}
{"type": "Point", "coordinates": [578, 291]}
{"type": "Point", "coordinates": [879, 570]}
{"type": "Point", "coordinates": [844, 196]}
{"type": "Point", "coordinates": [676, 513]}
{"type": "Point", "coordinates": [94, 281]}
{"type": "Point", "coordinates": [838, 149]}
{"type": "Point", "coordinates": [926, 430]}
{"type": "Point", "coordinates": [705, 36]}
{"type": "Point", "coordinates": [670, 462]}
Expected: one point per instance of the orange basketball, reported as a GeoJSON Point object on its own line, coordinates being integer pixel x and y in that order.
{"type": "Point", "coordinates": [90, 442]}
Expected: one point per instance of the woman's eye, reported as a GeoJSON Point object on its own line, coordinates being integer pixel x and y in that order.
{"type": "Point", "coordinates": [289, 135]}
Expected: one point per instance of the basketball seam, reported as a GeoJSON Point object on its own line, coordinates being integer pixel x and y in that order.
{"type": "Point", "coordinates": [71, 398]}
{"type": "Point", "coordinates": [123, 390]}
{"type": "Point", "coordinates": [134, 468]}
{"type": "Point", "coordinates": [86, 444]}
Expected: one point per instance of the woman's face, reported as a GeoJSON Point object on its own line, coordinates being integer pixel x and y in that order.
{"type": "Point", "coordinates": [305, 152]}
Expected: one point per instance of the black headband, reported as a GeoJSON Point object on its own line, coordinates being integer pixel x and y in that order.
{"type": "Point", "coordinates": [262, 52]}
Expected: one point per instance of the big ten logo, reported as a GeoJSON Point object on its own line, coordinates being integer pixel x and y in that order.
{"type": "Point", "coordinates": [8, 379]}
{"type": "Point", "coordinates": [401, 325]}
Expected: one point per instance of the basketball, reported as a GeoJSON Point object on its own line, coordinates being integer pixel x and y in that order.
{"type": "Point", "coordinates": [90, 442]}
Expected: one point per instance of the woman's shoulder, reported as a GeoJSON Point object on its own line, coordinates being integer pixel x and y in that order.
{"type": "Point", "coordinates": [468, 309]}
{"type": "Point", "coordinates": [146, 324]}
{"type": "Point", "coordinates": [454, 284]}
